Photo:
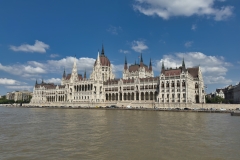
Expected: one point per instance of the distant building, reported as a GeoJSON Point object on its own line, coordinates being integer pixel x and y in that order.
{"type": "Point", "coordinates": [0, 96]}
{"type": "Point", "coordinates": [19, 95]}
{"type": "Point", "coordinates": [219, 93]}
{"type": "Point", "coordinates": [231, 93]}
{"type": "Point", "coordinates": [236, 93]}
{"type": "Point", "coordinates": [137, 85]}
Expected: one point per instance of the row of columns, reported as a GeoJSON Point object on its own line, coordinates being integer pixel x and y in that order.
{"type": "Point", "coordinates": [131, 96]}
{"type": "Point", "coordinates": [56, 98]}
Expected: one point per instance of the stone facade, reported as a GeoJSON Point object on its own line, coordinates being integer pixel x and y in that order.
{"type": "Point", "coordinates": [137, 86]}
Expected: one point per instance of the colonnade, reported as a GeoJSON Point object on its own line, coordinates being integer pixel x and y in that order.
{"type": "Point", "coordinates": [132, 96]}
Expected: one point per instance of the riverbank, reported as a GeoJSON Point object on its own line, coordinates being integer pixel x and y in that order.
{"type": "Point", "coordinates": [200, 110]}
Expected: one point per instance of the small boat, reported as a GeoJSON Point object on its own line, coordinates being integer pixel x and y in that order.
{"type": "Point", "coordinates": [235, 113]}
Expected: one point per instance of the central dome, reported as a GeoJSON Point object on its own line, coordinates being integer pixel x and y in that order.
{"type": "Point", "coordinates": [104, 61]}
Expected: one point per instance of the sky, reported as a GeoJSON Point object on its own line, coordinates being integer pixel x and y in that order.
{"type": "Point", "coordinates": [39, 38]}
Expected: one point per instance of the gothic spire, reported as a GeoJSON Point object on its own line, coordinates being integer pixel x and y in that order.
{"type": "Point", "coordinates": [125, 65]}
{"type": "Point", "coordinates": [141, 61]}
{"type": "Point", "coordinates": [163, 67]}
{"type": "Point", "coordinates": [64, 73]}
{"type": "Point", "coordinates": [183, 65]}
{"type": "Point", "coordinates": [36, 82]}
{"type": "Point", "coordinates": [150, 65]}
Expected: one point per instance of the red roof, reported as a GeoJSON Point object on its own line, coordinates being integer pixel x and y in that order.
{"type": "Point", "coordinates": [103, 60]}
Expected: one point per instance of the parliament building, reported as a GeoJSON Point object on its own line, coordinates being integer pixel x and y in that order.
{"type": "Point", "coordinates": [138, 86]}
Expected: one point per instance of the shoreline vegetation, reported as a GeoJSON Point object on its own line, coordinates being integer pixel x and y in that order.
{"type": "Point", "coordinates": [201, 110]}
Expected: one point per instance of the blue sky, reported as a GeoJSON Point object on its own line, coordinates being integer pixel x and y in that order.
{"type": "Point", "coordinates": [39, 38]}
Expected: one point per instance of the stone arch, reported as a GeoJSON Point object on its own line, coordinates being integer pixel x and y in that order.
{"type": "Point", "coordinates": [155, 95]}
{"type": "Point", "coordinates": [146, 96]}
{"type": "Point", "coordinates": [125, 96]}
{"type": "Point", "coordinates": [120, 97]}
{"type": "Point", "coordinates": [151, 95]}
{"type": "Point", "coordinates": [113, 96]}
{"type": "Point", "coordinates": [129, 96]}
{"type": "Point", "coordinates": [106, 97]}
{"type": "Point", "coordinates": [137, 95]}
{"type": "Point", "coordinates": [132, 96]}
{"type": "Point", "coordinates": [142, 95]}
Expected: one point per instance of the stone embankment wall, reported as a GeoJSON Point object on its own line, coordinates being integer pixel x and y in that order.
{"type": "Point", "coordinates": [145, 105]}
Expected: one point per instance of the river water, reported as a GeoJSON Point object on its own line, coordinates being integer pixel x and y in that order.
{"type": "Point", "coordinates": [39, 133]}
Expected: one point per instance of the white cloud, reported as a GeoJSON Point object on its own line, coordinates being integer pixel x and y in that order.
{"type": "Point", "coordinates": [39, 47]}
{"type": "Point", "coordinates": [213, 68]}
{"type": "Point", "coordinates": [23, 70]}
{"type": "Point", "coordinates": [218, 79]}
{"type": "Point", "coordinates": [188, 44]}
{"type": "Point", "coordinates": [139, 46]}
{"type": "Point", "coordinates": [124, 51]}
{"type": "Point", "coordinates": [54, 55]}
{"type": "Point", "coordinates": [166, 8]}
{"type": "Point", "coordinates": [114, 30]}
{"type": "Point", "coordinates": [29, 88]}
{"type": "Point", "coordinates": [194, 27]}
{"type": "Point", "coordinates": [53, 80]}
{"type": "Point", "coordinates": [6, 81]}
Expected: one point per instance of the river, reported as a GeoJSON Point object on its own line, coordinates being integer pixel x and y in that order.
{"type": "Point", "coordinates": [40, 133]}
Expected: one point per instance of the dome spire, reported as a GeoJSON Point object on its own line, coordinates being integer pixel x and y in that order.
{"type": "Point", "coordinates": [141, 61]}
{"type": "Point", "coordinates": [102, 53]}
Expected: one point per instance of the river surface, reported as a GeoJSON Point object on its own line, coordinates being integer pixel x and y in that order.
{"type": "Point", "coordinates": [42, 134]}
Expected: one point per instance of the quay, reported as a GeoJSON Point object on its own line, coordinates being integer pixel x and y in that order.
{"type": "Point", "coordinates": [206, 108]}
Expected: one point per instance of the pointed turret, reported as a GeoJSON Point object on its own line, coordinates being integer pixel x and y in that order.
{"type": "Point", "coordinates": [125, 65]}
{"type": "Point", "coordinates": [102, 53]}
{"type": "Point", "coordinates": [36, 82]}
{"type": "Point", "coordinates": [98, 59]}
{"type": "Point", "coordinates": [64, 73]}
{"type": "Point", "coordinates": [42, 81]}
{"type": "Point", "coordinates": [150, 65]}
{"type": "Point", "coordinates": [141, 60]}
{"type": "Point", "coordinates": [183, 65]}
{"type": "Point", "coordinates": [163, 67]}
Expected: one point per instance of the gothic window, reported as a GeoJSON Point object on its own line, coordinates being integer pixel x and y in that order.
{"type": "Point", "coordinates": [172, 84]}
{"type": "Point", "coordinates": [167, 84]}
{"type": "Point", "coordinates": [178, 84]}
{"type": "Point", "coordinates": [183, 84]}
